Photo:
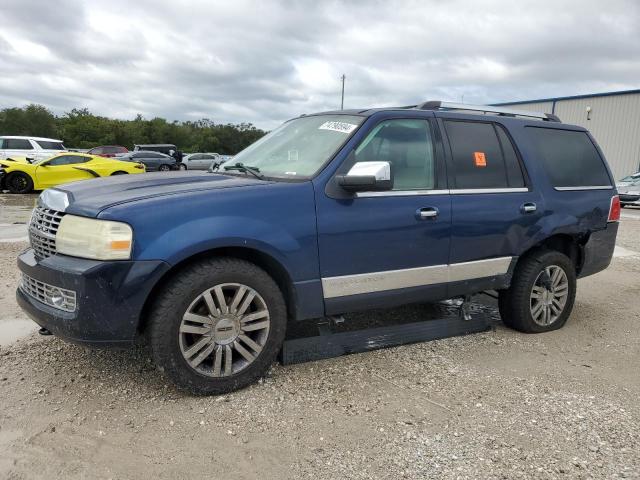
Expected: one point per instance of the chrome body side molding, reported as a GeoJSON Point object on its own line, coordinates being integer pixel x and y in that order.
{"type": "Point", "coordinates": [345, 285]}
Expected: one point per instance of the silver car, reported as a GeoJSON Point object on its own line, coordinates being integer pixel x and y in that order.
{"type": "Point", "coordinates": [630, 194]}
{"type": "Point", "coordinates": [200, 161]}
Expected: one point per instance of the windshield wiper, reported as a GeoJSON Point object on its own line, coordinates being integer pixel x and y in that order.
{"type": "Point", "coordinates": [241, 167]}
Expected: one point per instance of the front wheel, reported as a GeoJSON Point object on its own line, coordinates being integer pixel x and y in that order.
{"type": "Point", "coordinates": [164, 168]}
{"type": "Point", "coordinates": [542, 293]}
{"type": "Point", "coordinates": [119, 173]}
{"type": "Point", "coordinates": [218, 327]}
{"type": "Point", "coordinates": [182, 166]}
{"type": "Point", "coordinates": [19, 182]}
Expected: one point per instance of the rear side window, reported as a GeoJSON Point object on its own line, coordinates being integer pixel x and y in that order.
{"type": "Point", "coordinates": [570, 158]}
{"type": "Point", "coordinates": [483, 156]}
{"type": "Point", "coordinates": [46, 145]}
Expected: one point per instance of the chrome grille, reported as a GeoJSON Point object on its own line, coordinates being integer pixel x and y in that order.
{"type": "Point", "coordinates": [42, 231]}
{"type": "Point", "coordinates": [55, 297]}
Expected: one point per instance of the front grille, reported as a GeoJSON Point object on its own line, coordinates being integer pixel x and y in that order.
{"type": "Point", "coordinates": [42, 231]}
{"type": "Point", "coordinates": [55, 297]}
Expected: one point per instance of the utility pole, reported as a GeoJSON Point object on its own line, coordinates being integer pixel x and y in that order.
{"type": "Point", "coordinates": [342, 100]}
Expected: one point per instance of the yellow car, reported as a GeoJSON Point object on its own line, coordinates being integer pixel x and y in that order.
{"type": "Point", "coordinates": [18, 177]}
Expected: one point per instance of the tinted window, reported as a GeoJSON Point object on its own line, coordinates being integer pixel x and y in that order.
{"type": "Point", "coordinates": [96, 151]}
{"type": "Point", "coordinates": [67, 160]}
{"type": "Point", "coordinates": [515, 178]}
{"type": "Point", "coordinates": [196, 157]}
{"type": "Point", "coordinates": [408, 146]}
{"type": "Point", "coordinates": [17, 144]}
{"type": "Point", "coordinates": [50, 145]}
{"type": "Point", "coordinates": [483, 156]}
{"type": "Point", "coordinates": [570, 158]}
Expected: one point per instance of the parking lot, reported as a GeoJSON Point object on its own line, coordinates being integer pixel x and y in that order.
{"type": "Point", "coordinates": [499, 404]}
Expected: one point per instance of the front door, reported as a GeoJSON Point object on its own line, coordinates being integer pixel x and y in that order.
{"type": "Point", "coordinates": [391, 247]}
{"type": "Point", "coordinates": [62, 169]}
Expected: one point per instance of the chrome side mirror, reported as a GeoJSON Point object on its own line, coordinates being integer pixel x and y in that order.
{"type": "Point", "coordinates": [367, 176]}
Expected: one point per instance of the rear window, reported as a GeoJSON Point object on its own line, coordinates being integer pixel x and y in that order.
{"type": "Point", "coordinates": [50, 145]}
{"type": "Point", "coordinates": [483, 156]}
{"type": "Point", "coordinates": [570, 158]}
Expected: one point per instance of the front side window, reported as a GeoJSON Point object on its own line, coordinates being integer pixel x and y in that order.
{"type": "Point", "coordinates": [483, 156]}
{"type": "Point", "coordinates": [300, 147]}
{"type": "Point", "coordinates": [569, 157]}
{"type": "Point", "coordinates": [67, 160]}
{"type": "Point", "coordinates": [17, 144]}
{"type": "Point", "coordinates": [407, 145]}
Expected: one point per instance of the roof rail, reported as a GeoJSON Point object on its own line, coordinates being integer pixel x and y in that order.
{"type": "Point", "coordinates": [511, 112]}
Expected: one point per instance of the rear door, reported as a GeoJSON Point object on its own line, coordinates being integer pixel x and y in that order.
{"type": "Point", "coordinates": [391, 247]}
{"type": "Point", "coordinates": [495, 210]}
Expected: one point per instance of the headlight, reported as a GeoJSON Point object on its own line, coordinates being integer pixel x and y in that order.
{"type": "Point", "coordinates": [95, 239]}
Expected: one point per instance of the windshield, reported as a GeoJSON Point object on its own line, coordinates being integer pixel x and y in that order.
{"type": "Point", "coordinates": [298, 148]}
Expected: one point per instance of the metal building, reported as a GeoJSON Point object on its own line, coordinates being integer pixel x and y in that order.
{"type": "Point", "coordinates": [613, 118]}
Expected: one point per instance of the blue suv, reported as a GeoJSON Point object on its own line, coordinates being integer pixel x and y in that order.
{"type": "Point", "coordinates": [329, 213]}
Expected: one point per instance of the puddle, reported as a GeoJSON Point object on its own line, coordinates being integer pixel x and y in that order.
{"type": "Point", "coordinates": [12, 330]}
{"type": "Point", "coordinates": [16, 209]}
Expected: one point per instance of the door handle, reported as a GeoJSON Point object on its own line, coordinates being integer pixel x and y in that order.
{"type": "Point", "coordinates": [427, 213]}
{"type": "Point", "coordinates": [528, 207]}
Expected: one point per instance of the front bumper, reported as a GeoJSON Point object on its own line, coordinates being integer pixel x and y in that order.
{"type": "Point", "coordinates": [626, 199]}
{"type": "Point", "coordinates": [109, 296]}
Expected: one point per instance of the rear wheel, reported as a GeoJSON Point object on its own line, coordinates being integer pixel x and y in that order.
{"type": "Point", "coordinates": [164, 168]}
{"type": "Point", "coordinates": [218, 327]}
{"type": "Point", "coordinates": [19, 182]}
{"type": "Point", "coordinates": [182, 166]}
{"type": "Point", "coordinates": [542, 293]}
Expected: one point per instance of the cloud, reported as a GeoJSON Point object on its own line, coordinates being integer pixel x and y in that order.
{"type": "Point", "coordinates": [264, 62]}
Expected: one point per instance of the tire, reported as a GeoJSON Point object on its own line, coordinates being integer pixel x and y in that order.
{"type": "Point", "coordinates": [164, 168]}
{"type": "Point", "coordinates": [19, 182]}
{"type": "Point", "coordinates": [119, 173]}
{"type": "Point", "coordinates": [191, 345]}
{"type": "Point", "coordinates": [528, 305]}
{"type": "Point", "coordinates": [182, 166]}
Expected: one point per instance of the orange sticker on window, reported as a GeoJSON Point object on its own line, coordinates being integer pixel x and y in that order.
{"type": "Point", "coordinates": [480, 159]}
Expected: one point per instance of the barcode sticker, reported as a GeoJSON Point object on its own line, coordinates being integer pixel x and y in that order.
{"type": "Point", "coordinates": [341, 127]}
{"type": "Point", "coordinates": [480, 159]}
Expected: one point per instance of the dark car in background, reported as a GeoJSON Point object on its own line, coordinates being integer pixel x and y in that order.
{"type": "Point", "coordinates": [108, 150]}
{"type": "Point", "coordinates": [153, 161]}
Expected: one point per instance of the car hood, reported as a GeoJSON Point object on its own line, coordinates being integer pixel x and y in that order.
{"type": "Point", "coordinates": [90, 197]}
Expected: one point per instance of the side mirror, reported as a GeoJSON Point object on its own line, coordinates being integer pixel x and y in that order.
{"type": "Point", "coordinates": [367, 176]}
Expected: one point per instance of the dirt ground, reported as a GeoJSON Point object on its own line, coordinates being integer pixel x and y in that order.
{"type": "Point", "coordinates": [497, 405]}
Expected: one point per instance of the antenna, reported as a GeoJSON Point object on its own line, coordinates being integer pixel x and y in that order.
{"type": "Point", "coordinates": [342, 99]}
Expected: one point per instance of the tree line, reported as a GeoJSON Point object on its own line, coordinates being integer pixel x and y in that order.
{"type": "Point", "coordinates": [79, 128]}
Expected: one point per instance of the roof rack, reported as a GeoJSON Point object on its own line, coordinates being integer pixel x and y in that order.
{"type": "Point", "coordinates": [511, 112]}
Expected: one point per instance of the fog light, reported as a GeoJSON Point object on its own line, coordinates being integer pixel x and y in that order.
{"type": "Point", "coordinates": [56, 298]}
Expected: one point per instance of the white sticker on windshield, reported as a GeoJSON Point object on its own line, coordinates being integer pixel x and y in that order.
{"type": "Point", "coordinates": [342, 127]}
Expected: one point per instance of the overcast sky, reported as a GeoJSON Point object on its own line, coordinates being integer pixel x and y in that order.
{"type": "Point", "coordinates": [264, 62]}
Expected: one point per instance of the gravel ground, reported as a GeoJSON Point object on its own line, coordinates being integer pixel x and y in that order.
{"type": "Point", "coordinates": [497, 405]}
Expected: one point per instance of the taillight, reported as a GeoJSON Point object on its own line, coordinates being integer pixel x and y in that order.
{"type": "Point", "coordinates": [614, 209]}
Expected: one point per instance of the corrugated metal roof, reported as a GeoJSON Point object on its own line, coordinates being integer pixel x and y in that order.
{"type": "Point", "coordinates": [572, 97]}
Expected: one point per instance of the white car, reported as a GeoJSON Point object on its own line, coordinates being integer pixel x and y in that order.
{"type": "Point", "coordinates": [32, 148]}
{"type": "Point", "coordinates": [200, 161]}
{"type": "Point", "coordinates": [628, 180]}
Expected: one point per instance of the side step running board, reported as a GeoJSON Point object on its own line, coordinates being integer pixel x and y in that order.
{"type": "Point", "coordinates": [333, 339]}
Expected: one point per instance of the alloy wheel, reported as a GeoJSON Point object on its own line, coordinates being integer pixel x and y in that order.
{"type": "Point", "coordinates": [224, 329]}
{"type": "Point", "coordinates": [549, 295]}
